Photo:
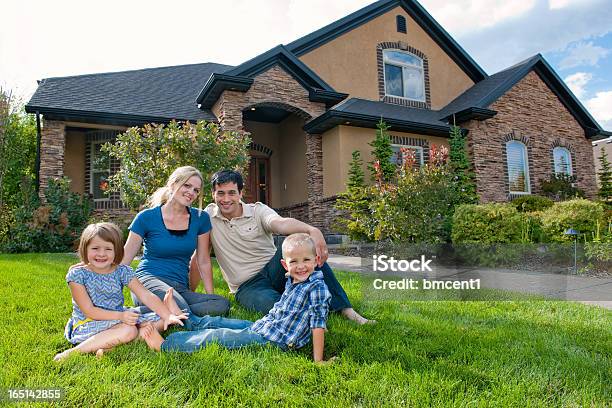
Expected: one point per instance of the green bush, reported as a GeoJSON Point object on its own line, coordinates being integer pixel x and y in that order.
{"type": "Point", "coordinates": [579, 214]}
{"type": "Point", "coordinates": [487, 223]}
{"type": "Point", "coordinates": [530, 203]}
{"type": "Point", "coordinates": [148, 155]}
{"type": "Point", "coordinates": [51, 227]}
{"type": "Point", "coordinates": [560, 187]}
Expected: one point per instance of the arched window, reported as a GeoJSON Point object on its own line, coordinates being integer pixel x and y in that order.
{"type": "Point", "coordinates": [563, 161]}
{"type": "Point", "coordinates": [518, 167]}
{"type": "Point", "coordinates": [404, 75]}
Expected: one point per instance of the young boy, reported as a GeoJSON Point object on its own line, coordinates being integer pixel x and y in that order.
{"type": "Point", "coordinates": [301, 310]}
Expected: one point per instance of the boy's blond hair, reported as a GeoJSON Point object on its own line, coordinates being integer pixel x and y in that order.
{"type": "Point", "coordinates": [107, 231]}
{"type": "Point", "coordinates": [297, 240]}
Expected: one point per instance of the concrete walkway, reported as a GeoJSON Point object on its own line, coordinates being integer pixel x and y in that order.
{"type": "Point", "coordinates": [587, 290]}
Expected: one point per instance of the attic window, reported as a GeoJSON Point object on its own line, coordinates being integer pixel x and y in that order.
{"type": "Point", "coordinates": [403, 75]}
{"type": "Point", "coordinates": [401, 24]}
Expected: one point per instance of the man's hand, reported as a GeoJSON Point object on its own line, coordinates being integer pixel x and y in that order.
{"type": "Point", "coordinates": [320, 245]}
{"type": "Point", "coordinates": [130, 318]}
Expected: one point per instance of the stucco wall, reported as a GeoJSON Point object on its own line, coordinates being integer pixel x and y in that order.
{"type": "Point", "coordinates": [293, 180]}
{"type": "Point", "coordinates": [338, 146]}
{"type": "Point", "coordinates": [266, 134]}
{"type": "Point", "coordinates": [348, 63]}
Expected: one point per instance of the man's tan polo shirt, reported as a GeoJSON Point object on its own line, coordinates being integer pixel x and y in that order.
{"type": "Point", "coordinates": [243, 245]}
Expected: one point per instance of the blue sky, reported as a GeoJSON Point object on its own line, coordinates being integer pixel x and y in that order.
{"type": "Point", "coordinates": [40, 39]}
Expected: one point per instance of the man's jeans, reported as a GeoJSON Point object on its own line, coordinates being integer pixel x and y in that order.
{"type": "Point", "coordinates": [263, 290]}
{"type": "Point", "coordinates": [200, 304]}
{"type": "Point", "coordinates": [229, 333]}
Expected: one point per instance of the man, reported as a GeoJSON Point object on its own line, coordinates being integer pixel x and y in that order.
{"type": "Point", "coordinates": [242, 237]}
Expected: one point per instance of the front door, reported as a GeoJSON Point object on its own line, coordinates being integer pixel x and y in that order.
{"type": "Point", "coordinates": [258, 182]}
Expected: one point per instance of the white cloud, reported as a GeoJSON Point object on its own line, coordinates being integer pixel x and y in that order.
{"type": "Point", "coordinates": [577, 82]}
{"type": "Point", "coordinates": [601, 108]}
{"type": "Point", "coordinates": [559, 4]}
{"type": "Point", "coordinates": [583, 54]}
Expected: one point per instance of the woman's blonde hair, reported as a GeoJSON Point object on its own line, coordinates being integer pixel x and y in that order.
{"type": "Point", "coordinates": [107, 231]}
{"type": "Point", "coordinates": [176, 180]}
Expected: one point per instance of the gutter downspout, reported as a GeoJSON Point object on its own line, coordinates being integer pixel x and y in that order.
{"type": "Point", "coordinates": [37, 163]}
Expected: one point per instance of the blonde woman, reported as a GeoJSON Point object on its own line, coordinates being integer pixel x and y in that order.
{"type": "Point", "coordinates": [171, 230]}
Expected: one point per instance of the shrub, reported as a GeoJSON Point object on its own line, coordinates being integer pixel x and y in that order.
{"type": "Point", "coordinates": [531, 203]}
{"type": "Point", "coordinates": [487, 223]}
{"type": "Point", "coordinates": [560, 187]}
{"type": "Point", "coordinates": [579, 214]}
{"type": "Point", "coordinates": [148, 155]}
{"type": "Point", "coordinates": [51, 227]}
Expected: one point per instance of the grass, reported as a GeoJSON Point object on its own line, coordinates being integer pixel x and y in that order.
{"type": "Point", "coordinates": [438, 353]}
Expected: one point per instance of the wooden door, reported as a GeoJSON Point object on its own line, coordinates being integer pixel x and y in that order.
{"type": "Point", "coordinates": [257, 186]}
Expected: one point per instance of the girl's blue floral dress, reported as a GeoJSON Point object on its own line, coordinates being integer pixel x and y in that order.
{"type": "Point", "coordinates": [105, 292]}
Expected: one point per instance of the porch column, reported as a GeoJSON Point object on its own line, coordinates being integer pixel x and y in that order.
{"type": "Point", "coordinates": [314, 172]}
{"type": "Point", "coordinates": [52, 146]}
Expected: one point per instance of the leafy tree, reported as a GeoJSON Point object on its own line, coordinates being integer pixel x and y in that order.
{"type": "Point", "coordinates": [605, 177]}
{"type": "Point", "coordinates": [148, 156]}
{"type": "Point", "coordinates": [17, 149]}
{"type": "Point", "coordinates": [461, 169]}
{"type": "Point", "coordinates": [382, 153]}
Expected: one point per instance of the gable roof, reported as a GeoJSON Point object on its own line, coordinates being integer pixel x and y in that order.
{"type": "Point", "coordinates": [480, 96]}
{"type": "Point", "coordinates": [240, 78]}
{"type": "Point", "coordinates": [127, 97]}
{"type": "Point", "coordinates": [368, 13]}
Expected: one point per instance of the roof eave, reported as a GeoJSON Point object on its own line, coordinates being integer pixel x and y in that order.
{"type": "Point", "coordinates": [472, 113]}
{"type": "Point", "coordinates": [217, 83]}
{"type": "Point", "coordinates": [334, 118]}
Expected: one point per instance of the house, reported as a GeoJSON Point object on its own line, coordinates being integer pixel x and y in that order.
{"type": "Point", "coordinates": [309, 104]}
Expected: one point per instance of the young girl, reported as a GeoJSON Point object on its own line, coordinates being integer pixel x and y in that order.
{"type": "Point", "coordinates": [99, 320]}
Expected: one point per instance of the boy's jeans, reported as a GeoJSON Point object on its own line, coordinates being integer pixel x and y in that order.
{"type": "Point", "coordinates": [229, 333]}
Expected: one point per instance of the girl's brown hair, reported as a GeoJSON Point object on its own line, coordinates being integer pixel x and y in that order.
{"type": "Point", "coordinates": [107, 231]}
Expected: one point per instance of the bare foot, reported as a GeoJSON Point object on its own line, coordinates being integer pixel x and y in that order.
{"type": "Point", "coordinates": [63, 355]}
{"type": "Point", "coordinates": [351, 314]}
{"type": "Point", "coordinates": [152, 337]}
{"type": "Point", "coordinates": [171, 303]}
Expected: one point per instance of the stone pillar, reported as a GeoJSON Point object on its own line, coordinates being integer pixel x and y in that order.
{"type": "Point", "coordinates": [228, 110]}
{"type": "Point", "coordinates": [314, 171]}
{"type": "Point", "coordinates": [52, 145]}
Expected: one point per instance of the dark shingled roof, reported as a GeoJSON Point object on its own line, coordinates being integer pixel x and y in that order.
{"type": "Point", "coordinates": [390, 111]}
{"type": "Point", "coordinates": [485, 92]}
{"type": "Point", "coordinates": [164, 93]}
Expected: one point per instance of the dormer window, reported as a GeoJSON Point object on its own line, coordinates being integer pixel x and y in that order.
{"type": "Point", "coordinates": [404, 75]}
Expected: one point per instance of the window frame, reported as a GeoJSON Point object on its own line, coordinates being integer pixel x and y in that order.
{"type": "Point", "coordinates": [525, 155]}
{"type": "Point", "coordinates": [418, 148]}
{"type": "Point", "coordinates": [93, 170]}
{"type": "Point", "coordinates": [569, 161]}
{"type": "Point", "coordinates": [402, 65]}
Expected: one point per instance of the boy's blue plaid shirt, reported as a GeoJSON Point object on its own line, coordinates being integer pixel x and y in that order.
{"type": "Point", "coordinates": [302, 307]}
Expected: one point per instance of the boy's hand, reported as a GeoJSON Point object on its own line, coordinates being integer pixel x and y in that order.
{"type": "Point", "coordinates": [130, 318]}
{"type": "Point", "coordinates": [173, 319]}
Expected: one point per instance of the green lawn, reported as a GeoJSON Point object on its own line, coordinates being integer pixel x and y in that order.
{"type": "Point", "coordinates": [440, 353]}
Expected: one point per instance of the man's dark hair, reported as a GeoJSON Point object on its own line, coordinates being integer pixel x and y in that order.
{"type": "Point", "coordinates": [227, 176]}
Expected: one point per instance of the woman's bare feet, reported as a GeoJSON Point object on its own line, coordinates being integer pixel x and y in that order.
{"type": "Point", "coordinates": [351, 314]}
{"type": "Point", "coordinates": [151, 336]}
{"type": "Point", "coordinates": [171, 303]}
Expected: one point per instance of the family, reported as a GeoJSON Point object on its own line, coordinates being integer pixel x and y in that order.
{"type": "Point", "coordinates": [293, 286]}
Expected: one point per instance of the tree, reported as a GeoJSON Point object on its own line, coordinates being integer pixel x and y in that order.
{"type": "Point", "coordinates": [460, 167]}
{"type": "Point", "coordinates": [148, 156]}
{"type": "Point", "coordinates": [382, 153]}
{"type": "Point", "coordinates": [17, 149]}
{"type": "Point", "coordinates": [605, 177]}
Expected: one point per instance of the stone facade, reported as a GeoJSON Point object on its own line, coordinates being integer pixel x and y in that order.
{"type": "Point", "coordinates": [532, 113]}
{"type": "Point", "coordinates": [52, 146]}
{"type": "Point", "coordinates": [325, 210]}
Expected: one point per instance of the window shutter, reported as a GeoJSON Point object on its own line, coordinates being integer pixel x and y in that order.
{"type": "Point", "coordinates": [401, 24]}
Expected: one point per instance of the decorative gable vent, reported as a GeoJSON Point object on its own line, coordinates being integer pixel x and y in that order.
{"type": "Point", "coordinates": [401, 24]}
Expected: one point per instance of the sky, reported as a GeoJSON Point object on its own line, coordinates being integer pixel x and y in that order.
{"type": "Point", "coordinates": [41, 39]}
